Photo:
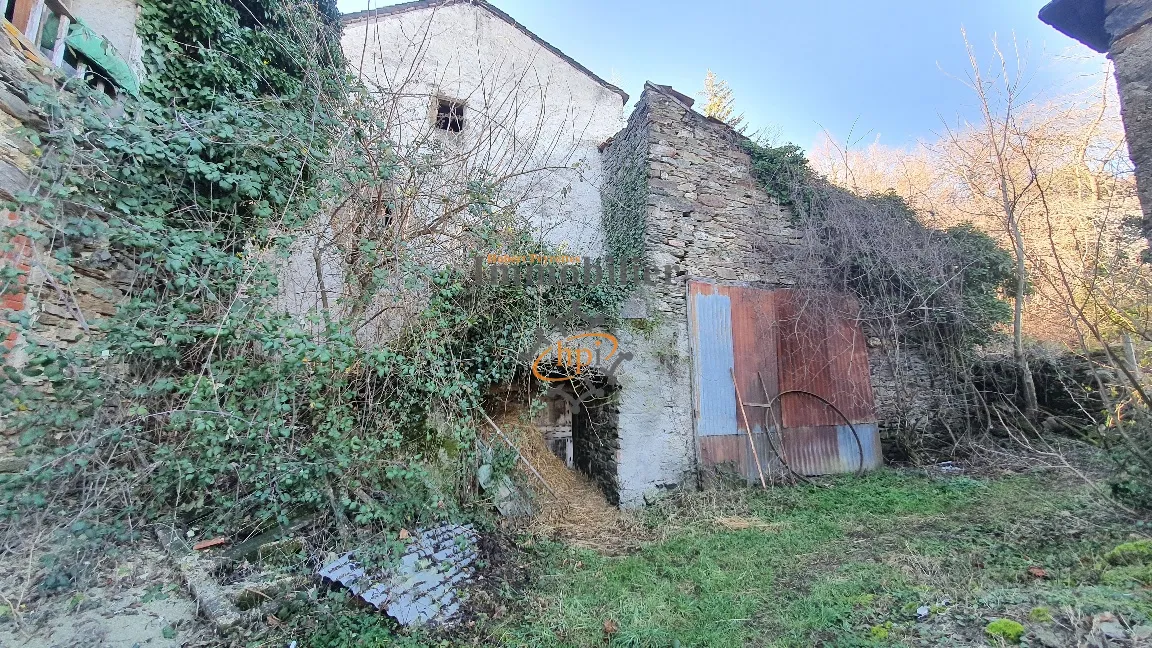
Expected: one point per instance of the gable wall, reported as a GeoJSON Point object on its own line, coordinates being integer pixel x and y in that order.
{"type": "Point", "coordinates": [558, 113]}
{"type": "Point", "coordinates": [702, 210]}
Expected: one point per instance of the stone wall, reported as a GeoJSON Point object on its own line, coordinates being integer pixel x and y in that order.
{"type": "Point", "coordinates": [704, 212]}
{"type": "Point", "coordinates": [907, 395]}
{"type": "Point", "coordinates": [37, 308]}
{"type": "Point", "coordinates": [1132, 54]}
{"type": "Point", "coordinates": [16, 160]}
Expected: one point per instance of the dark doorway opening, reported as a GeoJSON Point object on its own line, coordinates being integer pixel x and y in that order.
{"type": "Point", "coordinates": [580, 423]}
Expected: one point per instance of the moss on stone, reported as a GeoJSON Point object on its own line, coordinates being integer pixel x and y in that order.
{"type": "Point", "coordinates": [1040, 614]}
{"type": "Point", "coordinates": [1138, 552]}
{"type": "Point", "coordinates": [1006, 629]}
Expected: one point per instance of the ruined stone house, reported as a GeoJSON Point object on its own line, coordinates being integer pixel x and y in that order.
{"type": "Point", "coordinates": [708, 349]}
{"type": "Point", "coordinates": [680, 185]}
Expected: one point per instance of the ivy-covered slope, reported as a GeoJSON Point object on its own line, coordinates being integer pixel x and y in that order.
{"type": "Point", "coordinates": [200, 400]}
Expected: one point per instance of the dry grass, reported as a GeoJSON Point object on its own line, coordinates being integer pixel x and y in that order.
{"type": "Point", "coordinates": [741, 523]}
{"type": "Point", "coordinates": [575, 511]}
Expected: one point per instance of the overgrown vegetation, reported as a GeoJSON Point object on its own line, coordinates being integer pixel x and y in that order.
{"type": "Point", "coordinates": [206, 401]}
{"type": "Point", "coordinates": [203, 401]}
{"type": "Point", "coordinates": [890, 559]}
{"type": "Point", "coordinates": [895, 558]}
{"type": "Point", "coordinates": [1050, 180]}
{"type": "Point", "coordinates": [937, 292]}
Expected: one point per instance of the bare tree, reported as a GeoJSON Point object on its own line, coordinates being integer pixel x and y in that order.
{"type": "Point", "coordinates": [435, 155]}
{"type": "Point", "coordinates": [1052, 182]}
{"type": "Point", "coordinates": [982, 156]}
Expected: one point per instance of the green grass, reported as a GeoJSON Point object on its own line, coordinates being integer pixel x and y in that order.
{"type": "Point", "coordinates": [847, 565]}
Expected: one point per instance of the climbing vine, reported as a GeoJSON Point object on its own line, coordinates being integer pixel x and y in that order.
{"type": "Point", "coordinates": [202, 400]}
{"type": "Point", "coordinates": [935, 292]}
{"type": "Point", "coordinates": [624, 198]}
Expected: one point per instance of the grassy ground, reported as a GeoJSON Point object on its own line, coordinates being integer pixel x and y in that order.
{"type": "Point", "coordinates": [893, 558]}
{"type": "Point", "coordinates": [846, 565]}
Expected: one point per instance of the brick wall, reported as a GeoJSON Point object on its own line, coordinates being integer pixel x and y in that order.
{"type": "Point", "coordinates": [15, 297]}
{"type": "Point", "coordinates": [16, 162]}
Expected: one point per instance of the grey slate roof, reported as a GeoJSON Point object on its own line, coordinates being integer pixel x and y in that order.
{"type": "Point", "coordinates": [1080, 19]}
{"type": "Point", "coordinates": [405, 7]}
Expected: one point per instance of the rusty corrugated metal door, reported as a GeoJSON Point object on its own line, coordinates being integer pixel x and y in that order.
{"type": "Point", "coordinates": [823, 352]}
{"type": "Point", "coordinates": [774, 340]}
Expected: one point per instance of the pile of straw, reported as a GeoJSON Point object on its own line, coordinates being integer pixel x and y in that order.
{"type": "Point", "coordinates": [575, 510]}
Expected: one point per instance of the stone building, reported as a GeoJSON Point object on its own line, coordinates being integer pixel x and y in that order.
{"type": "Point", "coordinates": [671, 188]}
{"type": "Point", "coordinates": [464, 82]}
{"type": "Point", "coordinates": [679, 190]}
{"type": "Point", "coordinates": [93, 39]}
{"type": "Point", "coordinates": [471, 77]}
{"type": "Point", "coordinates": [708, 349]}
{"type": "Point", "coordinates": [1123, 30]}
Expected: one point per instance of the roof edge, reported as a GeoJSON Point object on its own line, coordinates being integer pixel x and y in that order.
{"type": "Point", "coordinates": [405, 7]}
{"type": "Point", "coordinates": [686, 104]}
{"type": "Point", "coordinates": [1080, 20]}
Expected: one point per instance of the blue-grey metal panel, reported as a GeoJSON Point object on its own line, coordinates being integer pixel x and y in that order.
{"type": "Point", "coordinates": [426, 585]}
{"type": "Point", "coordinates": [849, 453]}
{"type": "Point", "coordinates": [713, 361]}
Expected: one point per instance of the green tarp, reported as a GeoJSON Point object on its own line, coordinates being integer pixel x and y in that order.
{"type": "Point", "coordinates": [101, 54]}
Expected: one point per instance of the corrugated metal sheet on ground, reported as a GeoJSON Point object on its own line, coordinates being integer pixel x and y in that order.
{"type": "Point", "coordinates": [774, 341]}
{"type": "Point", "coordinates": [425, 585]}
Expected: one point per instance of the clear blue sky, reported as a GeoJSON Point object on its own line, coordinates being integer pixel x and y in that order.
{"type": "Point", "coordinates": [888, 65]}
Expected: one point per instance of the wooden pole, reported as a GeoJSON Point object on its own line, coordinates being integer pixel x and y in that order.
{"type": "Point", "coordinates": [770, 422]}
{"type": "Point", "coordinates": [748, 431]}
{"type": "Point", "coordinates": [517, 450]}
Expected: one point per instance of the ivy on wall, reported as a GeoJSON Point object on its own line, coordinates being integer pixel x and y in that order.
{"type": "Point", "coordinates": [783, 173]}
{"type": "Point", "coordinates": [625, 194]}
{"type": "Point", "coordinates": [200, 398]}
{"type": "Point", "coordinates": [943, 287]}
{"type": "Point", "coordinates": [202, 51]}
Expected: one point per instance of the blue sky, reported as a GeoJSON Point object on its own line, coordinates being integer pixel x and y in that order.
{"type": "Point", "coordinates": [892, 67]}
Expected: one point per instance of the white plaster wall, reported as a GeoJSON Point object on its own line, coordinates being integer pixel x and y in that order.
{"type": "Point", "coordinates": [115, 20]}
{"type": "Point", "coordinates": [657, 445]}
{"type": "Point", "coordinates": [527, 108]}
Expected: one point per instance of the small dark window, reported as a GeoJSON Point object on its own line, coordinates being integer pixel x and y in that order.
{"type": "Point", "coordinates": [450, 115]}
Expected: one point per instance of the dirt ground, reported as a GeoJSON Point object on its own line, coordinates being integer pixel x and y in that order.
{"type": "Point", "coordinates": [135, 601]}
